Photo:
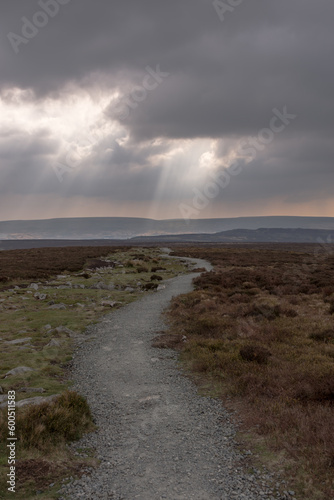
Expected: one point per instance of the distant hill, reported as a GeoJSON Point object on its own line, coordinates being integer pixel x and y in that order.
{"type": "Point", "coordinates": [262, 235]}
{"type": "Point", "coordinates": [97, 228]}
{"type": "Point", "coordinates": [234, 236]}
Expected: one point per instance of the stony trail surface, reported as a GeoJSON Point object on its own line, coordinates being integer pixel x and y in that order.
{"type": "Point", "coordinates": [156, 438]}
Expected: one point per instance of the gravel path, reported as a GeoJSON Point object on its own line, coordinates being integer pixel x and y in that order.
{"type": "Point", "coordinates": [157, 438]}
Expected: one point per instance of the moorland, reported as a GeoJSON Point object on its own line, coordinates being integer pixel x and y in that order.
{"type": "Point", "coordinates": [50, 299]}
{"type": "Point", "coordinates": [258, 332]}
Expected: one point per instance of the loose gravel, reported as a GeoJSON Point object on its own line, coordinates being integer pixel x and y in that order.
{"type": "Point", "coordinates": [156, 438]}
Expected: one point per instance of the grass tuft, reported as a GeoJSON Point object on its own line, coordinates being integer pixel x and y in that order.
{"type": "Point", "coordinates": [45, 426]}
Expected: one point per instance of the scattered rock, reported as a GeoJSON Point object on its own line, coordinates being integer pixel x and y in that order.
{"type": "Point", "coordinates": [46, 327]}
{"type": "Point", "coordinates": [161, 287]}
{"type": "Point", "coordinates": [58, 306]}
{"type": "Point", "coordinates": [129, 289]}
{"type": "Point", "coordinates": [109, 303]}
{"type": "Point", "coordinates": [100, 264]}
{"type": "Point", "coordinates": [64, 329]}
{"type": "Point", "coordinates": [54, 343]}
{"type": "Point", "coordinates": [34, 286]}
{"type": "Point", "coordinates": [40, 296]}
{"type": "Point", "coordinates": [18, 370]}
{"type": "Point", "coordinates": [36, 400]}
{"type": "Point", "coordinates": [18, 341]}
{"type": "Point", "coordinates": [103, 286]}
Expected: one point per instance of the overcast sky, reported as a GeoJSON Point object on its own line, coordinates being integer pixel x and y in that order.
{"type": "Point", "coordinates": [166, 109]}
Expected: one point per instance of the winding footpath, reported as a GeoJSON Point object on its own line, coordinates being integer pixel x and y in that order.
{"type": "Point", "coordinates": [157, 438]}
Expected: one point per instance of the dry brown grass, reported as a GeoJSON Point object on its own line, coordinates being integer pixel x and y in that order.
{"type": "Point", "coordinates": [167, 341]}
{"type": "Point", "coordinates": [41, 263]}
{"type": "Point", "coordinates": [51, 424]}
{"type": "Point", "coordinates": [42, 472]}
{"type": "Point", "coordinates": [261, 325]}
{"type": "Point", "coordinates": [42, 433]}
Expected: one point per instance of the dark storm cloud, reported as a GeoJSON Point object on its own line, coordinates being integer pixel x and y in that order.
{"type": "Point", "coordinates": [224, 79]}
{"type": "Point", "coordinates": [110, 38]}
{"type": "Point", "coordinates": [225, 76]}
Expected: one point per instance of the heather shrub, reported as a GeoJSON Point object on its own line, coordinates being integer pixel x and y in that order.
{"type": "Point", "coordinates": [255, 353]}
